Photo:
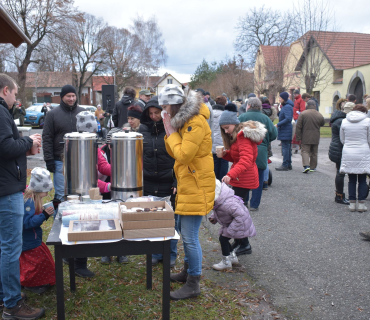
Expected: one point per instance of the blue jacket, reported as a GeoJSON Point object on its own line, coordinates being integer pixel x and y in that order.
{"type": "Point", "coordinates": [285, 121]}
{"type": "Point", "coordinates": [32, 232]}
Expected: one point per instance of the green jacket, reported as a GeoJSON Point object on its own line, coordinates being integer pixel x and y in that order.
{"type": "Point", "coordinates": [257, 115]}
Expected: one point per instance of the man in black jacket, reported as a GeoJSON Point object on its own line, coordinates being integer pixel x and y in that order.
{"type": "Point", "coordinates": [13, 176]}
{"type": "Point", "coordinates": [62, 120]}
{"type": "Point", "coordinates": [119, 115]}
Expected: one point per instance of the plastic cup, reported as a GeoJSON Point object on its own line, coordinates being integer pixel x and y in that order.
{"type": "Point", "coordinates": [219, 150]}
{"type": "Point", "coordinates": [86, 199]}
{"type": "Point", "coordinates": [73, 198]}
{"type": "Point", "coordinates": [47, 205]}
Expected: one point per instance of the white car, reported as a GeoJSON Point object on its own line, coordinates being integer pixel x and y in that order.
{"type": "Point", "coordinates": [92, 109]}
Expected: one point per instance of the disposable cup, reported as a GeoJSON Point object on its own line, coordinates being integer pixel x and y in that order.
{"type": "Point", "coordinates": [86, 198]}
{"type": "Point", "coordinates": [219, 149]}
{"type": "Point", "coordinates": [47, 205]}
{"type": "Point", "coordinates": [73, 197]}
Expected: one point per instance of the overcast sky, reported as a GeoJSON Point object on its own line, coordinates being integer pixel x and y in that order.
{"type": "Point", "coordinates": [197, 29]}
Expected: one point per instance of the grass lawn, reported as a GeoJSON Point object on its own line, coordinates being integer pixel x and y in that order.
{"type": "Point", "coordinates": [119, 292]}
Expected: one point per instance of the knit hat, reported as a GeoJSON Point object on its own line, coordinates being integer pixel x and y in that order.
{"type": "Point", "coordinates": [134, 111]}
{"type": "Point", "coordinates": [153, 102]}
{"type": "Point", "coordinates": [86, 122]}
{"type": "Point", "coordinates": [296, 91]}
{"type": "Point", "coordinates": [201, 91]}
{"type": "Point", "coordinates": [251, 95]}
{"type": "Point", "coordinates": [284, 96]}
{"type": "Point", "coordinates": [67, 89]}
{"type": "Point", "coordinates": [171, 94]}
{"type": "Point", "coordinates": [348, 107]}
{"type": "Point", "coordinates": [109, 134]}
{"type": "Point", "coordinates": [229, 116]}
{"type": "Point", "coordinates": [40, 180]}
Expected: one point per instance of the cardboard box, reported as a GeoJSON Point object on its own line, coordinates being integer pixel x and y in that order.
{"type": "Point", "coordinates": [149, 224]}
{"type": "Point", "coordinates": [150, 215]}
{"type": "Point", "coordinates": [82, 230]}
{"type": "Point", "coordinates": [148, 233]}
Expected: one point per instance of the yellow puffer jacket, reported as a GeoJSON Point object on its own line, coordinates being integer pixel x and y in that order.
{"type": "Point", "coordinates": [191, 147]}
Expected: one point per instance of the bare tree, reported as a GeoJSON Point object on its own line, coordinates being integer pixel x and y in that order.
{"type": "Point", "coordinates": [37, 18]}
{"type": "Point", "coordinates": [84, 45]}
{"type": "Point", "coordinates": [262, 26]}
{"type": "Point", "coordinates": [152, 46]}
{"type": "Point", "coordinates": [315, 19]}
{"type": "Point", "coordinates": [121, 56]}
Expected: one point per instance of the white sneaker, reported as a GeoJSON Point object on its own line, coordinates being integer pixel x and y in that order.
{"type": "Point", "coordinates": [352, 205]}
{"type": "Point", "coordinates": [225, 264]}
{"type": "Point", "coordinates": [233, 258]}
{"type": "Point", "coordinates": [361, 206]}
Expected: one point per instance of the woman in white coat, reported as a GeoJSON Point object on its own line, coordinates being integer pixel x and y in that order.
{"type": "Point", "coordinates": [355, 136]}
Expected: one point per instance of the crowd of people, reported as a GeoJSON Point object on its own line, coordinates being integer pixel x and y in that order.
{"type": "Point", "coordinates": [207, 156]}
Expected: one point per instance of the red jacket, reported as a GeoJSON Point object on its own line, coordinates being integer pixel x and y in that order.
{"type": "Point", "coordinates": [243, 153]}
{"type": "Point", "coordinates": [299, 105]}
{"type": "Point", "coordinates": [104, 169]}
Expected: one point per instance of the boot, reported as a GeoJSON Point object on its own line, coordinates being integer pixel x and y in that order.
{"type": "Point", "coordinates": [352, 205]}
{"type": "Point", "coordinates": [182, 276]}
{"type": "Point", "coordinates": [244, 248]}
{"type": "Point", "coordinates": [225, 264]}
{"type": "Point", "coordinates": [233, 258]}
{"type": "Point", "coordinates": [361, 206]}
{"type": "Point", "coordinates": [22, 311]}
{"type": "Point", "coordinates": [341, 198]}
{"type": "Point", "coordinates": [189, 290]}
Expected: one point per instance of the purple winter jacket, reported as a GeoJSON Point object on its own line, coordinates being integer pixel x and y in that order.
{"type": "Point", "coordinates": [233, 216]}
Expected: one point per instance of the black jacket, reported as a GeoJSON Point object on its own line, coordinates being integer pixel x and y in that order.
{"type": "Point", "coordinates": [335, 148]}
{"type": "Point", "coordinates": [13, 160]}
{"type": "Point", "coordinates": [58, 122]}
{"type": "Point", "coordinates": [119, 115]}
{"type": "Point", "coordinates": [141, 103]}
{"type": "Point", "coordinates": [158, 164]}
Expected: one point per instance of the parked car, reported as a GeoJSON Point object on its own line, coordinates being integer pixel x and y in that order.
{"type": "Point", "coordinates": [92, 109]}
{"type": "Point", "coordinates": [34, 116]}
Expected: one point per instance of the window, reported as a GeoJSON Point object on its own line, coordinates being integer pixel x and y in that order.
{"type": "Point", "coordinates": [316, 95]}
{"type": "Point", "coordinates": [56, 93]}
{"type": "Point", "coordinates": [169, 81]}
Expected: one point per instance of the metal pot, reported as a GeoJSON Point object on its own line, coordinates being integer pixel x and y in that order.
{"type": "Point", "coordinates": [80, 163]}
{"type": "Point", "coordinates": [126, 165]}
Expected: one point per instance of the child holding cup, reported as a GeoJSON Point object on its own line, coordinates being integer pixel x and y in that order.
{"type": "Point", "coordinates": [37, 266]}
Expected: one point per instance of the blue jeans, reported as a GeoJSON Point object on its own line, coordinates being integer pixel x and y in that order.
{"type": "Point", "coordinates": [11, 226]}
{"type": "Point", "coordinates": [173, 244]}
{"type": "Point", "coordinates": [59, 180]}
{"type": "Point", "coordinates": [189, 229]}
{"type": "Point", "coordinates": [256, 193]}
{"type": "Point", "coordinates": [362, 187]}
{"type": "Point", "coordinates": [287, 152]}
{"type": "Point", "coordinates": [221, 167]}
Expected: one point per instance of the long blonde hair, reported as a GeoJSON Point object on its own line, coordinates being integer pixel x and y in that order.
{"type": "Point", "coordinates": [229, 140]}
{"type": "Point", "coordinates": [35, 197]}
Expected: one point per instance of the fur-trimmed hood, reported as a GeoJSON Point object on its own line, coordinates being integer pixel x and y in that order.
{"type": "Point", "coordinates": [254, 130]}
{"type": "Point", "coordinates": [193, 106]}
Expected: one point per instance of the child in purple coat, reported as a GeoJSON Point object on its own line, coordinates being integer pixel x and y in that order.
{"type": "Point", "coordinates": [233, 216]}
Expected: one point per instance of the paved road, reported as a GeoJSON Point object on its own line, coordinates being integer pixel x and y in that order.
{"type": "Point", "coordinates": [38, 159]}
{"type": "Point", "coordinates": [307, 253]}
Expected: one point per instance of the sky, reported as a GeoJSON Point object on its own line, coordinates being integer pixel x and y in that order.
{"type": "Point", "coordinates": [194, 30]}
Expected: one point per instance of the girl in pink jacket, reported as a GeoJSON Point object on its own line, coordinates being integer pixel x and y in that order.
{"type": "Point", "coordinates": [233, 216]}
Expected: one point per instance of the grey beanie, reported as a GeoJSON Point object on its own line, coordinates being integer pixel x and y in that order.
{"type": "Point", "coordinates": [40, 180]}
{"type": "Point", "coordinates": [171, 94]}
{"type": "Point", "coordinates": [229, 116]}
{"type": "Point", "coordinates": [86, 122]}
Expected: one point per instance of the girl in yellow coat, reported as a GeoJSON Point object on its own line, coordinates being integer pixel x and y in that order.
{"type": "Point", "coordinates": [189, 142]}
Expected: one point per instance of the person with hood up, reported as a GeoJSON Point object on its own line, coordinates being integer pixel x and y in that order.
{"type": "Point", "coordinates": [336, 147]}
{"type": "Point", "coordinates": [233, 216]}
{"type": "Point", "coordinates": [221, 165]}
{"type": "Point", "coordinates": [241, 140]}
{"type": "Point", "coordinates": [119, 115]}
{"type": "Point", "coordinates": [159, 178]}
{"type": "Point", "coordinates": [188, 140]}
{"type": "Point", "coordinates": [299, 107]}
{"type": "Point", "coordinates": [355, 136]}
{"type": "Point", "coordinates": [285, 130]}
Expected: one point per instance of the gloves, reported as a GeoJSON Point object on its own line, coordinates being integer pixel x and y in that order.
{"type": "Point", "coordinates": [50, 165]}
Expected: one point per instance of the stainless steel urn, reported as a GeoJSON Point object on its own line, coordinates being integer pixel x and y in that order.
{"type": "Point", "coordinates": [80, 163]}
{"type": "Point", "coordinates": [127, 165]}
